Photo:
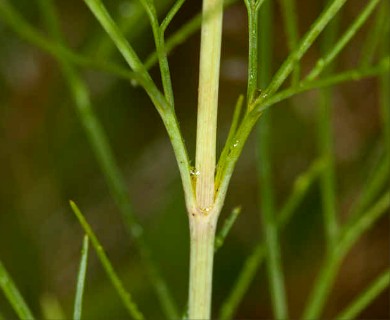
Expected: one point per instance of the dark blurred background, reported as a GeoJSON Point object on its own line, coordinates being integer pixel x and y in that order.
{"type": "Point", "coordinates": [45, 160]}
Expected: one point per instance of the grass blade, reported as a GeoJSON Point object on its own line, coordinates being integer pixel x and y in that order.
{"type": "Point", "coordinates": [13, 295]}
{"type": "Point", "coordinates": [78, 302]}
{"type": "Point", "coordinates": [124, 295]}
{"type": "Point", "coordinates": [366, 297]}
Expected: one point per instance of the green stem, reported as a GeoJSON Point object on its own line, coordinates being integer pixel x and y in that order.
{"type": "Point", "coordinates": [264, 167]}
{"type": "Point", "coordinates": [385, 88]}
{"type": "Point", "coordinates": [352, 75]}
{"type": "Point", "coordinates": [165, 110]}
{"type": "Point", "coordinates": [253, 54]}
{"type": "Point", "coordinates": [203, 218]}
{"type": "Point", "coordinates": [374, 35]}
{"type": "Point", "coordinates": [291, 28]}
{"type": "Point", "coordinates": [158, 34]}
{"type": "Point", "coordinates": [325, 145]}
{"type": "Point", "coordinates": [202, 234]}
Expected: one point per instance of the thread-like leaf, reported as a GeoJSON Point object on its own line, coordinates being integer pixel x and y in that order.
{"type": "Point", "coordinates": [78, 302]}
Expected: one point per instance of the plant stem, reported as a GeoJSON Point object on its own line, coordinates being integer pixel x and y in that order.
{"type": "Point", "coordinates": [253, 21]}
{"type": "Point", "coordinates": [203, 218]}
{"type": "Point", "coordinates": [325, 145]}
{"type": "Point", "coordinates": [202, 233]}
{"type": "Point", "coordinates": [264, 168]}
{"type": "Point", "coordinates": [210, 55]}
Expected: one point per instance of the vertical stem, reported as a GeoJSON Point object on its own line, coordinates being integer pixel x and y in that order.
{"type": "Point", "coordinates": [210, 54]}
{"type": "Point", "coordinates": [203, 218]}
{"type": "Point", "coordinates": [385, 87]}
{"type": "Point", "coordinates": [253, 19]}
{"type": "Point", "coordinates": [273, 254]}
{"type": "Point", "coordinates": [325, 142]}
{"type": "Point", "coordinates": [202, 233]}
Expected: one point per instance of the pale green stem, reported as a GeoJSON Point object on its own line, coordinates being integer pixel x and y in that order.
{"type": "Point", "coordinates": [210, 55]}
{"type": "Point", "coordinates": [203, 218]}
{"type": "Point", "coordinates": [202, 237]}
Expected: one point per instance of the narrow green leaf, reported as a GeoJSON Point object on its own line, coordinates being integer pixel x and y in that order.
{"type": "Point", "coordinates": [13, 295]}
{"type": "Point", "coordinates": [124, 295]}
{"type": "Point", "coordinates": [232, 131]}
{"type": "Point", "coordinates": [329, 57]}
{"type": "Point", "coordinates": [366, 297]}
{"type": "Point", "coordinates": [78, 302]}
{"type": "Point", "coordinates": [227, 225]}
{"type": "Point", "coordinates": [171, 14]}
{"type": "Point", "coordinates": [307, 41]}
{"type": "Point", "coordinates": [352, 75]}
